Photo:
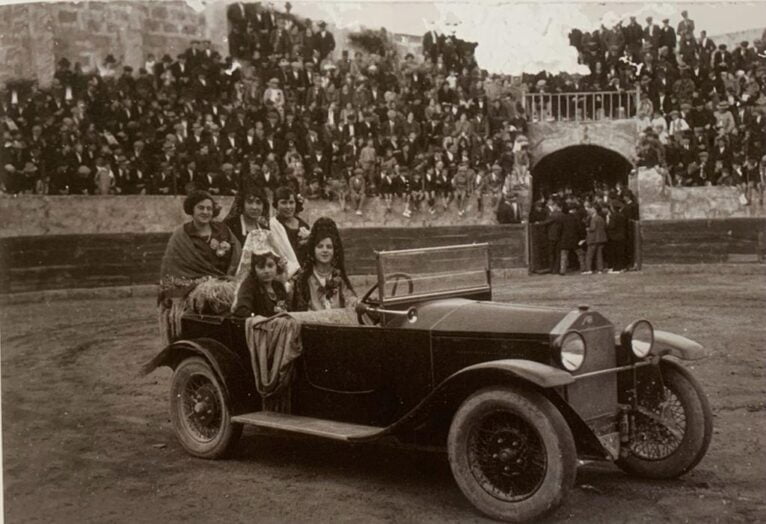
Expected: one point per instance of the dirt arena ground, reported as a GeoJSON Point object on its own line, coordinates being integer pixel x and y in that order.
{"type": "Point", "coordinates": [86, 440]}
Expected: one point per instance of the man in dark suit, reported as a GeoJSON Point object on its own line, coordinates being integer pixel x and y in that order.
{"type": "Point", "coordinates": [324, 41]}
{"type": "Point", "coordinates": [554, 227]}
{"type": "Point", "coordinates": [651, 35]}
{"type": "Point", "coordinates": [432, 45]}
{"type": "Point", "coordinates": [668, 36]}
{"type": "Point", "coordinates": [509, 210]}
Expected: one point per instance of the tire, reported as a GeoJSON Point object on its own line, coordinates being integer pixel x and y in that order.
{"type": "Point", "coordinates": [523, 433]}
{"type": "Point", "coordinates": [199, 410]}
{"type": "Point", "coordinates": [657, 453]}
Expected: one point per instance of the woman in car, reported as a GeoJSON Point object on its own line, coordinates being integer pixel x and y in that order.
{"type": "Point", "coordinates": [203, 246]}
{"type": "Point", "coordinates": [322, 283]}
{"type": "Point", "coordinates": [288, 223]}
{"type": "Point", "coordinates": [249, 212]}
{"type": "Point", "coordinates": [197, 250]}
{"type": "Point", "coordinates": [248, 220]}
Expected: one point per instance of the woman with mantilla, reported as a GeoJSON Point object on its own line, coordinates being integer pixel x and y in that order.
{"type": "Point", "coordinates": [322, 283]}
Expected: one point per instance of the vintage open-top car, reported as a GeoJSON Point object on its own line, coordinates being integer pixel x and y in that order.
{"type": "Point", "coordinates": [515, 394]}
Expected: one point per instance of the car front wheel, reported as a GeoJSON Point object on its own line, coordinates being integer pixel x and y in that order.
{"type": "Point", "coordinates": [512, 453]}
{"type": "Point", "coordinates": [672, 429]}
{"type": "Point", "coordinates": [199, 411]}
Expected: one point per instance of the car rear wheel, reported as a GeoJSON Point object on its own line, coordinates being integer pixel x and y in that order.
{"type": "Point", "coordinates": [512, 453]}
{"type": "Point", "coordinates": [199, 411]}
{"type": "Point", "coordinates": [672, 430]}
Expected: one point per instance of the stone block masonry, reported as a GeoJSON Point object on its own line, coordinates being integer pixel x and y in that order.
{"type": "Point", "coordinates": [33, 37]}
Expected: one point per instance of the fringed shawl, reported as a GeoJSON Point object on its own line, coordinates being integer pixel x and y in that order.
{"type": "Point", "coordinates": [274, 344]}
{"type": "Point", "coordinates": [183, 260]}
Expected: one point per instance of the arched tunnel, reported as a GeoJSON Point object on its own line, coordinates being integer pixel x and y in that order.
{"type": "Point", "coordinates": [577, 168]}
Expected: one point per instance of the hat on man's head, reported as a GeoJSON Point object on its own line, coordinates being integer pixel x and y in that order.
{"type": "Point", "coordinates": [723, 104]}
{"type": "Point", "coordinates": [322, 23]}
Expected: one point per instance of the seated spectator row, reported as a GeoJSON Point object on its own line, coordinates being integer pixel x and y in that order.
{"type": "Point", "coordinates": [277, 115]}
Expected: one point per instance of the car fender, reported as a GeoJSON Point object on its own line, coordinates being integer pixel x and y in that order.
{"type": "Point", "coordinates": [666, 343]}
{"type": "Point", "coordinates": [236, 377]}
{"type": "Point", "coordinates": [450, 393]}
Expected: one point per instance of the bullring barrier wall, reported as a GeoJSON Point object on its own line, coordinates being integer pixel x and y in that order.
{"type": "Point", "coordinates": [59, 242]}
{"type": "Point", "coordinates": [51, 243]}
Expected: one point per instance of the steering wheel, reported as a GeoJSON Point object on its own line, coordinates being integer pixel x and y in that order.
{"type": "Point", "coordinates": [366, 318]}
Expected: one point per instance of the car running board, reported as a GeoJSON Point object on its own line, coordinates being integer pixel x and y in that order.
{"type": "Point", "coordinates": [309, 426]}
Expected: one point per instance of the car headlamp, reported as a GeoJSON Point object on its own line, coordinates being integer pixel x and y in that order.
{"type": "Point", "coordinates": [572, 351]}
{"type": "Point", "coordinates": [639, 337]}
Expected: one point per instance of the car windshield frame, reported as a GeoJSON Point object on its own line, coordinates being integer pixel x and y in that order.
{"type": "Point", "coordinates": [476, 276]}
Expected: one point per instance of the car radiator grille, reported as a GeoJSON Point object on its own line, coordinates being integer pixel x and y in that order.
{"type": "Point", "coordinates": [595, 397]}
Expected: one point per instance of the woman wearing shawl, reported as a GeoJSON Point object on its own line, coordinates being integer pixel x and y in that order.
{"type": "Point", "coordinates": [198, 250]}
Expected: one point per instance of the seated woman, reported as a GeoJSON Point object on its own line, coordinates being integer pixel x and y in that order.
{"type": "Point", "coordinates": [197, 250]}
{"type": "Point", "coordinates": [261, 293]}
{"type": "Point", "coordinates": [201, 247]}
{"type": "Point", "coordinates": [249, 212]}
{"type": "Point", "coordinates": [287, 223]}
{"type": "Point", "coordinates": [248, 220]}
{"type": "Point", "coordinates": [322, 283]}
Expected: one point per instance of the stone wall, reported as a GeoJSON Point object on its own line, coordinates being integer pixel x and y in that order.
{"type": "Point", "coordinates": [27, 215]}
{"type": "Point", "coordinates": [45, 262]}
{"type": "Point", "coordinates": [33, 37]}
{"type": "Point", "coordinates": [660, 202]}
{"type": "Point", "coordinates": [548, 137]}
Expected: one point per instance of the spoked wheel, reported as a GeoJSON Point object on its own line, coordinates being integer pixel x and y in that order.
{"type": "Point", "coordinates": [672, 429]}
{"type": "Point", "coordinates": [199, 411]}
{"type": "Point", "coordinates": [512, 453]}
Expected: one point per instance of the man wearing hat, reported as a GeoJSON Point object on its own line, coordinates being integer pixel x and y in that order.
{"type": "Point", "coordinates": [651, 35]}
{"type": "Point", "coordinates": [667, 36]}
{"type": "Point", "coordinates": [722, 59]}
{"type": "Point", "coordinates": [324, 41]}
{"type": "Point", "coordinates": [724, 120]}
{"type": "Point", "coordinates": [743, 56]}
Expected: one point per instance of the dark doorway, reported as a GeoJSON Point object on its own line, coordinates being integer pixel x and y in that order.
{"type": "Point", "coordinates": [580, 168]}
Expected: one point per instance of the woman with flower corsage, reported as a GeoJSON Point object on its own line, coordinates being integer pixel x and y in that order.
{"type": "Point", "coordinates": [322, 283]}
{"type": "Point", "coordinates": [201, 250]}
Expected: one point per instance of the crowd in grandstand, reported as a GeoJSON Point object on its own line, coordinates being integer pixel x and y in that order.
{"type": "Point", "coordinates": [702, 114]}
{"type": "Point", "coordinates": [284, 109]}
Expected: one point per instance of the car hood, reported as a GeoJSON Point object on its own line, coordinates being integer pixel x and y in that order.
{"type": "Point", "coordinates": [461, 316]}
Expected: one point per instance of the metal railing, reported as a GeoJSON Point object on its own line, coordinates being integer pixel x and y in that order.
{"type": "Point", "coordinates": [581, 106]}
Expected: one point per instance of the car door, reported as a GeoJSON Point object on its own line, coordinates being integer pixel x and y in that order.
{"type": "Point", "coordinates": [363, 374]}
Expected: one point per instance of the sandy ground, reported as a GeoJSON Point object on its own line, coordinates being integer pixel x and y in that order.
{"type": "Point", "coordinates": [86, 440]}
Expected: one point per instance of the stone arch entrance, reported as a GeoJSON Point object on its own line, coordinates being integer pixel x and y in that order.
{"type": "Point", "coordinates": [577, 167]}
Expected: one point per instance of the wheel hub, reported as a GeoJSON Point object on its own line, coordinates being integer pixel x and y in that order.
{"type": "Point", "coordinates": [506, 457]}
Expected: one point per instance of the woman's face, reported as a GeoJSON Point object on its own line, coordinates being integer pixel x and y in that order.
{"type": "Point", "coordinates": [323, 251]}
{"type": "Point", "coordinates": [266, 272]}
{"type": "Point", "coordinates": [286, 207]}
{"type": "Point", "coordinates": [202, 213]}
{"type": "Point", "coordinates": [253, 207]}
